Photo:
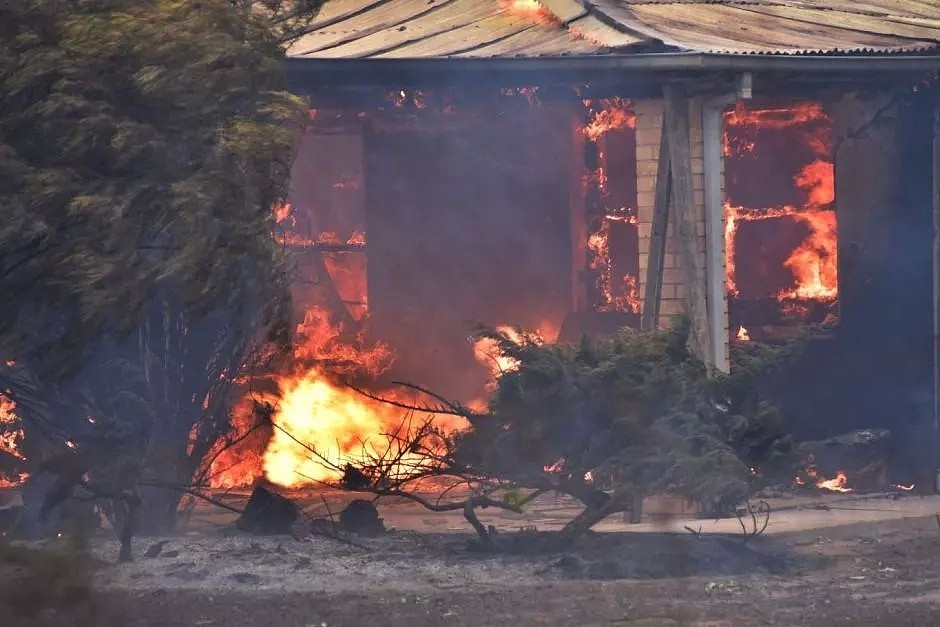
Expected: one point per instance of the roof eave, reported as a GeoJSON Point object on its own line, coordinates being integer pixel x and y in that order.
{"type": "Point", "coordinates": [452, 70]}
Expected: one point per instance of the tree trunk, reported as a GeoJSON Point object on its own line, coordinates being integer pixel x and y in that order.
{"type": "Point", "coordinates": [159, 506]}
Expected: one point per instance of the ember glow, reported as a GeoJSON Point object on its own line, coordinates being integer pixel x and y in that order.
{"type": "Point", "coordinates": [813, 263]}
{"type": "Point", "coordinates": [11, 438]}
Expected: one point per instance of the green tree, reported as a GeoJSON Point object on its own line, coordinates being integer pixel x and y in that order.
{"type": "Point", "coordinates": [142, 146]}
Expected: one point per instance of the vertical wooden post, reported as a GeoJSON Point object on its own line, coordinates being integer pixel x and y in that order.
{"type": "Point", "coordinates": [715, 253]}
{"type": "Point", "coordinates": [653, 290]}
{"type": "Point", "coordinates": [578, 218]}
{"type": "Point", "coordinates": [678, 137]}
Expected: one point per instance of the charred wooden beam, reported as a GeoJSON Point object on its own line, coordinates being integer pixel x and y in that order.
{"type": "Point", "coordinates": [678, 137]}
{"type": "Point", "coordinates": [653, 289]}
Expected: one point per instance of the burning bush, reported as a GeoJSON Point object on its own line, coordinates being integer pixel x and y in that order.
{"type": "Point", "coordinates": [605, 421]}
{"type": "Point", "coordinates": [634, 411]}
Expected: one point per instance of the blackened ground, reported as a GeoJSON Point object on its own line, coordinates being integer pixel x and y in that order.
{"type": "Point", "coordinates": [883, 573]}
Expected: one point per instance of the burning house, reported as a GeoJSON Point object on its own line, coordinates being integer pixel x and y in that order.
{"type": "Point", "coordinates": [564, 167]}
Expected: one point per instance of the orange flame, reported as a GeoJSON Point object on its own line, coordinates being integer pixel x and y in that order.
{"type": "Point", "coordinates": [531, 9]}
{"type": "Point", "coordinates": [903, 488]}
{"type": "Point", "coordinates": [284, 214]}
{"type": "Point", "coordinates": [743, 335]}
{"type": "Point", "coordinates": [813, 263]}
{"type": "Point", "coordinates": [11, 438]}
{"type": "Point", "coordinates": [627, 298]}
{"type": "Point", "coordinates": [614, 114]}
{"type": "Point", "coordinates": [837, 484]}
{"type": "Point", "coordinates": [486, 350]}
{"type": "Point", "coordinates": [799, 114]}
{"type": "Point", "coordinates": [320, 423]}
{"type": "Point", "coordinates": [817, 179]}
{"type": "Point", "coordinates": [332, 420]}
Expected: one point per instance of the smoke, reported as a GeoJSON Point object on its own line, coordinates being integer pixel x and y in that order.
{"type": "Point", "coordinates": [466, 221]}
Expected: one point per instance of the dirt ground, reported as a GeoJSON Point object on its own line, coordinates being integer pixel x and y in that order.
{"type": "Point", "coordinates": [876, 572]}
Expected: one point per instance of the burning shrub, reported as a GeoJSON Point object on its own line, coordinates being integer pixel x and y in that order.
{"type": "Point", "coordinates": [605, 421]}
{"type": "Point", "coordinates": [636, 412]}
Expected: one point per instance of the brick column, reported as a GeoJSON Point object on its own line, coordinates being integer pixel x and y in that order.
{"type": "Point", "coordinates": [649, 121]}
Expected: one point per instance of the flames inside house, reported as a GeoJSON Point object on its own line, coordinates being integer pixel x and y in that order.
{"type": "Point", "coordinates": [416, 222]}
{"type": "Point", "coordinates": [416, 219]}
{"type": "Point", "coordinates": [780, 233]}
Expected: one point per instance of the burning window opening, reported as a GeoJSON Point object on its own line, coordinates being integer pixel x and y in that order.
{"type": "Point", "coordinates": [613, 239]}
{"type": "Point", "coordinates": [781, 228]}
{"type": "Point", "coordinates": [337, 341]}
{"type": "Point", "coordinates": [622, 295]}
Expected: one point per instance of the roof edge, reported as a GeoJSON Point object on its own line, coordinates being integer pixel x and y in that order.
{"type": "Point", "coordinates": [643, 61]}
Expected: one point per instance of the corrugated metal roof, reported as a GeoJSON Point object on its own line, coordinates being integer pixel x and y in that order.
{"type": "Point", "coordinates": [415, 29]}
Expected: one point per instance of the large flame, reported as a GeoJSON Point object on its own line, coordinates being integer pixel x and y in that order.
{"type": "Point", "coordinates": [813, 263]}
{"type": "Point", "coordinates": [317, 411]}
{"type": "Point", "coordinates": [320, 422]}
{"type": "Point", "coordinates": [326, 417]}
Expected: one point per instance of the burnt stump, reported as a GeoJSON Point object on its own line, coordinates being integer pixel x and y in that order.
{"type": "Point", "coordinates": [268, 513]}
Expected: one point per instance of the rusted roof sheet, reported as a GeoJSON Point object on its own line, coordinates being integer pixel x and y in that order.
{"type": "Point", "coordinates": [415, 29]}
{"type": "Point", "coordinates": [353, 29]}
{"type": "Point", "coordinates": [783, 26]}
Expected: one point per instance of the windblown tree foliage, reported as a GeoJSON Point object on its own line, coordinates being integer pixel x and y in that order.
{"type": "Point", "coordinates": [142, 146]}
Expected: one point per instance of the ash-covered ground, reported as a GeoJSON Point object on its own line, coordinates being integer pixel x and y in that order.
{"type": "Point", "coordinates": [880, 569]}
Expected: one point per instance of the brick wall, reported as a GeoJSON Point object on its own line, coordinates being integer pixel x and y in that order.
{"type": "Point", "coordinates": [649, 120]}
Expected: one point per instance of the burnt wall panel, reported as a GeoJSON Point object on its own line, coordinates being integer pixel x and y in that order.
{"type": "Point", "coordinates": [466, 226]}
{"type": "Point", "coordinates": [328, 202]}
{"type": "Point", "coordinates": [877, 369]}
{"type": "Point", "coordinates": [867, 169]}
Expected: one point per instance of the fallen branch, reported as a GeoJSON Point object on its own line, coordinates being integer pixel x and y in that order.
{"type": "Point", "coordinates": [153, 483]}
